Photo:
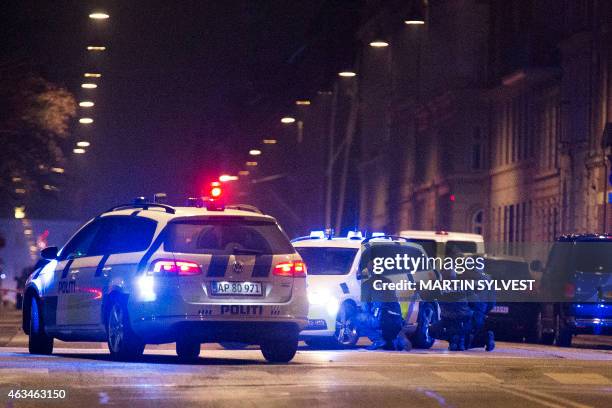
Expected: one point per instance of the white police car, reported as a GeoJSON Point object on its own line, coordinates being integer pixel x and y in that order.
{"type": "Point", "coordinates": [334, 291]}
{"type": "Point", "coordinates": [150, 273]}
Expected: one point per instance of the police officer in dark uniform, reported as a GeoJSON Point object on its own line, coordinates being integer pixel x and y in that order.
{"type": "Point", "coordinates": [381, 316]}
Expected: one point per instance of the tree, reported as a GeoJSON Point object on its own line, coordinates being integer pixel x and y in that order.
{"type": "Point", "coordinates": [34, 126]}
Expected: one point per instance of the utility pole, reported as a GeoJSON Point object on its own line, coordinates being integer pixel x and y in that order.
{"type": "Point", "coordinates": [329, 173]}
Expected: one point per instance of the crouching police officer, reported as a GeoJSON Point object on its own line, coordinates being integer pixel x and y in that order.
{"type": "Point", "coordinates": [381, 317]}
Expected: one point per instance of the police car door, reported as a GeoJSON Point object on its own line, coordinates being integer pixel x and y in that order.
{"type": "Point", "coordinates": [77, 261]}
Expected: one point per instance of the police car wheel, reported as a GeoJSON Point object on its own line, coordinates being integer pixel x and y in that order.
{"type": "Point", "coordinates": [187, 350]}
{"type": "Point", "coordinates": [280, 351]}
{"type": "Point", "coordinates": [38, 342]}
{"type": "Point", "coordinates": [346, 331]}
{"type": "Point", "coordinates": [123, 343]}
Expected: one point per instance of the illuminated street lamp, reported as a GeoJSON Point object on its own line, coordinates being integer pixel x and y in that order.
{"type": "Point", "coordinates": [226, 177]}
{"type": "Point", "coordinates": [99, 16]}
{"type": "Point", "coordinates": [83, 143]}
{"type": "Point", "coordinates": [302, 102]}
{"type": "Point", "coordinates": [269, 141]}
{"type": "Point", "coordinates": [254, 152]}
{"type": "Point", "coordinates": [86, 121]}
{"type": "Point", "coordinates": [96, 48]}
{"type": "Point", "coordinates": [251, 163]}
{"type": "Point", "coordinates": [379, 44]}
{"type": "Point", "coordinates": [20, 212]}
{"type": "Point", "coordinates": [58, 170]}
{"type": "Point", "coordinates": [416, 15]}
{"type": "Point", "coordinates": [347, 74]}
{"type": "Point", "coordinates": [92, 75]}
{"type": "Point", "coordinates": [78, 150]}
{"type": "Point", "coordinates": [243, 173]}
{"type": "Point", "coordinates": [287, 120]}
{"type": "Point", "coordinates": [86, 104]}
{"type": "Point", "coordinates": [89, 85]}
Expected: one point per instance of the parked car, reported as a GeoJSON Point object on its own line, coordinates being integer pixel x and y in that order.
{"type": "Point", "coordinates": [512, 320]}
{"type": "Point", "coordinates": [577, 284]}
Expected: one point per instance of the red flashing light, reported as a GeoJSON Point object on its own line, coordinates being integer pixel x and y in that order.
{"type": "Point", "coordinates": [452, 197]}
{"type": "Point", "coordinates": [296, 269]}
{"type": "Point", "coordinates": [216, 192]}
{"type": "Point", "coordinates": [180, 268]}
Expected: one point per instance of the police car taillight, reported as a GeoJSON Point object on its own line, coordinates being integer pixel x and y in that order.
{"type": "Point", "coordinates": [296, 269]}
{"type": "Point", "coordinates": [175, 267]}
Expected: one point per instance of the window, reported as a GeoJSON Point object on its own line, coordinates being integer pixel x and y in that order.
{"type": "Point", "coordinates": [454, 248]}
{"type": "Point", "coordinates": [126, 234]}
{"type": "Point", "coordinates": [81, 244]}
{"type": "Point", "coordinates": [328, 261]}
{"type": "Point", "coordinates": [227, 237]}
{"type": "Point", "coordinates": [477, 222]}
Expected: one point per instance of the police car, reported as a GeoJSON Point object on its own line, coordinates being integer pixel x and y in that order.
{"type": "Point", "coordinates": [149, 273]}
{"type": "Point", "coordinates": [334, 291]}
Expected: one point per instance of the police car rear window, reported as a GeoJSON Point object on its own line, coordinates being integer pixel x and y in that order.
{"type": "Point", "coordinates": [227, 237]}
{"type": "Point", "coordinates": [327, 261]}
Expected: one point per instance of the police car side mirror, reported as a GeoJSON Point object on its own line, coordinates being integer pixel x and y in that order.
{"type": "Point", "coordinates": [536, 265]}
{"type": "Point", "coordinates": [49, 253]}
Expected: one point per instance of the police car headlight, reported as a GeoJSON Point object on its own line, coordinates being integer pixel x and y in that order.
{"type": "Point", "coordinates": [146, 288]}
{"type": "Point", "coordinates": [324, 299]}
{"type": "Point", "coordinates": [332, 306]}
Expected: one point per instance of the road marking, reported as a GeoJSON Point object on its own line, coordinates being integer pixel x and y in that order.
{"type": "Point", "coordinates": [538, 394]}
{"type": "Point", "coordinates": [579, 378]}
{"type": "Point", "coordinates": [467, 377]}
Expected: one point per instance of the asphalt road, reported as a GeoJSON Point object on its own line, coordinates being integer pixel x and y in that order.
{"type": "Point", "coordinates": [514, 375]}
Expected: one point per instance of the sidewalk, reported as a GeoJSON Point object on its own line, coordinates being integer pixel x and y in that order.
{"type": "Point", "coordinates": [10, 324]}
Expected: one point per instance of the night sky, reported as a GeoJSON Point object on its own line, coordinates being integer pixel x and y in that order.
{"type": "Point", "coordinates": [188, 86]}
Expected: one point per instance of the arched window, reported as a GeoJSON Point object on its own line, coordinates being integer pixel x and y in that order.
{"type": "Point", "coordinates": [478, 222]}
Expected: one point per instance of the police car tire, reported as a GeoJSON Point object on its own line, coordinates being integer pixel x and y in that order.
{"type": "Point", "coordinates": [187, 350]}
{"type": "Point", "coordinates": [38, 341]}
{"type": "Point", "coordinates": [128, 347]}
{"type": "Point", "coordinates": [280, 351]}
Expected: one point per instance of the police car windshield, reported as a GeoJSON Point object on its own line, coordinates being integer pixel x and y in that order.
{"type": "Point", "coordinates": [327, 261]}
{"type": "Point", "coordinates": [227, 237]}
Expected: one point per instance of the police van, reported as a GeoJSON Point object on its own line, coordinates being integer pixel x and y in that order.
{"type": "Point", "coordinates": [445, 243]}
{"type": "Point", "coordinates": [150, 273]}
{"type": "Point", "coordinates": [334, 290]}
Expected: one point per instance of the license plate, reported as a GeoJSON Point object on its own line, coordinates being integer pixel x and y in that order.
{"type": "Point", "coordinates": [500, 309]}
{"type": "Point", "coordinates": [236, 288]}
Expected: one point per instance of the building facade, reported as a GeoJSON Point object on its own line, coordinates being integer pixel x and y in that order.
{"type": "Point", "coordinates": [494, 114]}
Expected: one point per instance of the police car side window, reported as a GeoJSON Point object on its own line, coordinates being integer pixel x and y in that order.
{"type": "Point", "coordinates": [126, 234]}
{"type": "Point", "coordinates": [82, 243]}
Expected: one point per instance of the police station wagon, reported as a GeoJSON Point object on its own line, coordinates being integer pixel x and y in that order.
{"type": "Point", "coordinates": [149, 273]}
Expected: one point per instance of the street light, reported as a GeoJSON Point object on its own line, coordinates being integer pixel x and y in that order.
{"type": "Point", "coordinates": [92, 75]}
{"type": "Point", "coordinates": [86, 104]}
{"type": "Point", "coordinates": [416, 15]}
{"type": "Point", "coordinates": [287, 119]}
{"type": "Point", "coordinates": [86, 121]}
{"type": "Point", "coordinates": [254, 152]}
{"type": "Point", "coordinates": [96, 48]}
{"type": "Point", "coordinates": [226, 177]}
{"type": "Point", "coordinates": [347, 74]}
{"type": "Point", "coordinates": [78, 151]}
{"type": "Point", "coordinates": [89, 85]}
{"type": "Point", "coordinates": [243, 173]}
{"type": "Point", "coordinates": [379, 44]}
{"type": "Point", "coordinates": [83, 143]}
{"type": "Point", "coordinates": [269, 141]}
{"type": "Point", "coordinates": [302, 102]}
{"type": "Point", "coordinates": [251, 163]}
{"type": "Point", "coordinates": [99, 16]}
